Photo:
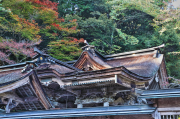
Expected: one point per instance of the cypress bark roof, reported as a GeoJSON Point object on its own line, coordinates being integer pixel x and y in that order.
{"type": "Point", "coordinates": [144, 62]}
{"type": "Point", "coordinates": [144, 65]}
{"type": "Point", "coordinates": [61, 69]}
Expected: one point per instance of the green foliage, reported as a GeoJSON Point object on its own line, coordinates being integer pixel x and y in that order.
{"type": "Point", "coordinates": [161, 3]}
{"type": "Point", "coordinates": [20, 8]}
{"type": "Point", "coordinates": [65, 50]}
{"type": "Point", "coordinates": [119, 6]}
{"type": "Point", "coordinates": [128, 39]}
{"type": "Point", "coordinates": [112, 26]}
{"type": "Point", "coordinates": [94, 28]}
{"type": "Point", "coordinates": [36, 21]}
{"type": "Point", "coordinates": [82, 8]}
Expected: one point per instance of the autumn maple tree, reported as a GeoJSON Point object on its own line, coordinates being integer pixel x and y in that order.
{"type": "Point", "coordinates": [28, 23]}
{"type": "Point", "coordinates": [17, 50]}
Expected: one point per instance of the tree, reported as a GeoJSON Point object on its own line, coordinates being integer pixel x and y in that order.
{"type": "Point", "coordinates": [70, 48]}
{"type": "Point", "coordinates": [34, 22]}
{"type": "Point", "coordinates": [151, 25]}
{"type": "Point", "coordinates": [13, 52]}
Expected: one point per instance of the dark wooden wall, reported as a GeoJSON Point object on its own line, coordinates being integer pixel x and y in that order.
{"type": "Point", "coordinates": [168, 102]}
{"type": "Point", "coordinates": [114, 117]}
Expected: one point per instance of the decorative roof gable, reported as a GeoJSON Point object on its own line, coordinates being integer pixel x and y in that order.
{"type": "Point", "coordinates": [90, 59]}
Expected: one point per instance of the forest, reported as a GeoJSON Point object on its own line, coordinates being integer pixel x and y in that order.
{"type": "Point", "coordinates": [59, 28]}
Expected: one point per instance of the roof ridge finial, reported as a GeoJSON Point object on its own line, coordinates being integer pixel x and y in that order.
{"type": "Point", "coordinates": [87, 46]}
{"type": "Point", "coordinates": [85, 42]}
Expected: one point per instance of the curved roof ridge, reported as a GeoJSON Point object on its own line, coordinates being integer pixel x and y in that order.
{"type": "Point", "coordinates": [134, 52]}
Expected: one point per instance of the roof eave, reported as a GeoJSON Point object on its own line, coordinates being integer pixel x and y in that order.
{"type": "Point", "coordinates": [103, 71]}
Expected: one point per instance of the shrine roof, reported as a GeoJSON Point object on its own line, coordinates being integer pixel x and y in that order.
{"type": "Point", "coordinates": [12, 65]}
{"type": "Point", "coordinates": [144, 65]}
{"type": "Point", "coordinates": [145, 62]}
{"type": "Point", "coordinates": [90, 58]}
{"type": "Point", "coordinates": [124, 54]}
{"type": "Point", "coordinates": [60, 68]}
{"type": "Point", "coordinates": [14, 81]}
{"type": "Point", "coordinates": [11, 73]}
{"type": "Point", "coordinates": [10, 76]}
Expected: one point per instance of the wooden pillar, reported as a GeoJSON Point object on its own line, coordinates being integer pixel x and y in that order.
{"type": "Point", "coordinates": [156, 115]}
{"type": "Point", "coordinates": [79, 105]}
{"type": "Point", "coordinates": [106, 104]}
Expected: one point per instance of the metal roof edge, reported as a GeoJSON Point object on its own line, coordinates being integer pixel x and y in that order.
{"type": "Point", "coordinates": [162, 93]}
{"type": "Point", "coordinates": [71, 62]}
{"type": "Point", "coordinates": [97, 111]}
{"type": "Point", "coordinates": [17, 64]}
{"type": "Point", "coordinates": [12, 65]}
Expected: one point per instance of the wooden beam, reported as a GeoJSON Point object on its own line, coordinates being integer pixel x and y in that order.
{"type": "Point", "coordinates": [169, 109]}
{"type": "Point", "coordinates": [170, 113]}
{"type": "Point", "coordinates": [30, 99]}
{"type": "Point", "coordinates": [38, 90]}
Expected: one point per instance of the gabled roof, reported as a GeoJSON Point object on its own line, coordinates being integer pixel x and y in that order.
{"type": "Point", "coordinates": [91, 59]}
{"type": "Point", "coordinates": [12, 73]}
{"type": "Point", "coordinates": [29, 77]}
{"type": "Point", "coordinates": [145, 62]}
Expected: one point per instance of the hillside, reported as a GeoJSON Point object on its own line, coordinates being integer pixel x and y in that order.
{"type": "Point", "coordinates": [59, 27]}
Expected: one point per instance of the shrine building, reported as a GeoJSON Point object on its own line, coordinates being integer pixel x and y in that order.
{"type": "Point", "coordinates": [128, 85]}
